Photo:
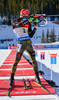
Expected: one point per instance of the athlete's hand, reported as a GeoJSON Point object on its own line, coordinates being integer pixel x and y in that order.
{"type": "Point", "coordinates": [36, 24]}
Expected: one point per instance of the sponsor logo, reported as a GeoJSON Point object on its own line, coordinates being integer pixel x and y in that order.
{"type": "Point", "coordinates": [3, 92]}
{"type": "Point", "coordinates": [53, 55]}
{"type": "Point", "coordinates": [38, 46]}
{"type": "Point", "coordinates": [12, 47]}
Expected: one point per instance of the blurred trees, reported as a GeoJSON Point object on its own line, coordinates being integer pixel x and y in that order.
{"type": "Point", "coordinates": [13, 7]}
{"type": "Point", "coordinates": [50, 37]}
{"type": "Point", "coordinates": [42, 39]}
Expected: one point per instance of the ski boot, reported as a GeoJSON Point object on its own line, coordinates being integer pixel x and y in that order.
{"type": "Point", "coordinates": [11, 81]}
{"type": "Point", "coordinates": [37, 78]}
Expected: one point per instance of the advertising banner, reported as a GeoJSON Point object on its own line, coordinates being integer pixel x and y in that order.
{"type": "Point", "coordinates": [12, 47]}
{"type": "Point", "coordinates": [53, 58]}
{"type": "Point", "coordinates": [42, 55]}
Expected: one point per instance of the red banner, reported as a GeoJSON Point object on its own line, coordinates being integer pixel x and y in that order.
{"type": "Point", "coordinates": [42, 53]}
{"type": "Point", "coordinates": [53, 55]}
{"type": "Point", "coordinates": [38, 46]}
{"type": "Point", "coordinates": [12, 47]}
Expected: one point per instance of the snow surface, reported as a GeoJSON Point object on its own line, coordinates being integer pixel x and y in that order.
{"type": "Point", "coordinates": [7, 32]}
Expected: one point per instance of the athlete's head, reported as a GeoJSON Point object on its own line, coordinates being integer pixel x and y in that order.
{"type": "Point", "coordinates": [24, 13]}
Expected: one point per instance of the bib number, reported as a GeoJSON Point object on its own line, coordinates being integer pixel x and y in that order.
{"type": "Point", "coordinates": [23, 30]}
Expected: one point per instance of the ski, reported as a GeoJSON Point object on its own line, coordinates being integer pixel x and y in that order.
{"type": "Point", "coordinates": [9, 90]}
{"type": "Point", "coordinates": [41, 86]}
{"type": "Point", "coordinates": [29, 83]}
{"type": "Point", "coordinates": [26, 87]}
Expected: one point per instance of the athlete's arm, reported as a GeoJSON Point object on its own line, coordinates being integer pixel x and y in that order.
{"type": "Point", "coordinates": [16, 23]}
{"type": "Point", "coordinates": [31, 32]}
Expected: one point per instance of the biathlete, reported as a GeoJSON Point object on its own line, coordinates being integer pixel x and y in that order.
{"type": "Point", "coordinates": [23, 31]}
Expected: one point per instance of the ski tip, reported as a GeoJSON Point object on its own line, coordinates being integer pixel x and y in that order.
{"type": "Point", "coordinates": [23, 77]}
{"type": "Point", "coordinates": [8, 93]}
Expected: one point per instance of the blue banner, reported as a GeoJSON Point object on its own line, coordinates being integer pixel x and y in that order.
{"type": "Point", "coordinates": [51, 46]}
{"type": "Point", "coordinates": [53, 60]}
{"type": "Point", "coordinates": [3, 47]}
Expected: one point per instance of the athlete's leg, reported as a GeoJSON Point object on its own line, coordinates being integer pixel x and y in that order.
{"type": "Point", "coordinates": [34, 63]}
{"type": "Point", "coordinates": [19, 53]}
{"type": "Point", "coordinates": [31, 53]}
{"type": "Point", "coordinates": [20, 50]}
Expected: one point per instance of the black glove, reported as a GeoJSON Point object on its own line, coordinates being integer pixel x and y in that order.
{"type": "Point", "coordinates": [35, 23]}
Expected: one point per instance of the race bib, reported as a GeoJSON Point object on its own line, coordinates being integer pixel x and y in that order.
{"type": "Point", "coordinates": [23, 30]}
